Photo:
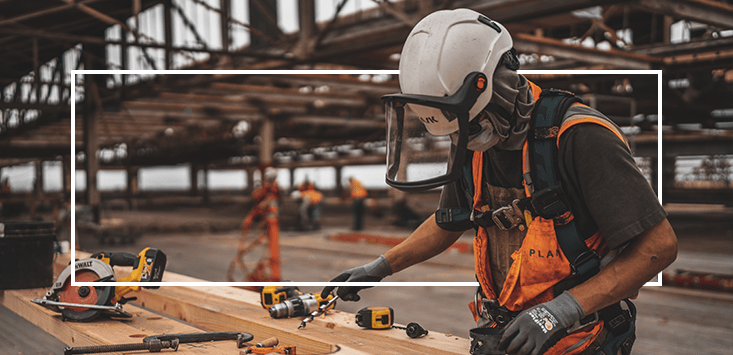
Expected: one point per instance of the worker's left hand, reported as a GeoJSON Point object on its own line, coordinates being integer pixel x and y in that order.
{"type": "Point", "coordinates": [537, 329]}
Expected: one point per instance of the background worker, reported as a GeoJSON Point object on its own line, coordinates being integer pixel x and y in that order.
{"type": "Point", "coordinates": [545, 300]}
{"type": "Point", "coordinates": [264, 213]}
{"type": "Point", "coordinates": [358, 194]}
{"type": "Point", "coordinates": [266, 199]}
{"type": "Point", "coordinates": [310, 206]}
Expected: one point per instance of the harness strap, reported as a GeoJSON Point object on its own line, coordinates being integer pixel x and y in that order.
{"type": "Point", "coordinates": [545, 125]}
{"type": "Point", "coordinates": [622, 329]}
{"type": "Point", "coordinates": [481, 240]}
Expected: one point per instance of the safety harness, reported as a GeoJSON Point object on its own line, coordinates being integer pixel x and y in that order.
{"type": "Point", "coordinates": [548, 201]}
{"type": "Point", "coordinates": [545, 199]}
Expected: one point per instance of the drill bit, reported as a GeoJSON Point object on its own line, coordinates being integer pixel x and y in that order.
{"type": "Point", "coordinates": [320, 310]}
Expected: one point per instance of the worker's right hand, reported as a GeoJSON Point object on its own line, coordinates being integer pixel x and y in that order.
{"type": "Point", "coordinates": [375, 271]}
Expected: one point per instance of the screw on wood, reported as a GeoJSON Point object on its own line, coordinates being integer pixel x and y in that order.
{"type": "Point", "coordinates": [153, 346]}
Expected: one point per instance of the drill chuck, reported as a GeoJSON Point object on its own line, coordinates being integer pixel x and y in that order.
{"type": "Point", "coordinates": [297, 306]}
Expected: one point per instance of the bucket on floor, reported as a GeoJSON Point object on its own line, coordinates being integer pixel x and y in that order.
{"type": "Point", "coordinates": [26, 254]}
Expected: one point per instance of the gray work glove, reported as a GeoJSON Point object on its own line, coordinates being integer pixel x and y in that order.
{"type": "Point", "coordinates": [375, 271]}
{"type": "Point", "coordinates": [537, 329]}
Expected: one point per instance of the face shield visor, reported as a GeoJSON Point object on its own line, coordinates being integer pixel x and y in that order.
{"type": "Point", "coordinates": [420, 152]}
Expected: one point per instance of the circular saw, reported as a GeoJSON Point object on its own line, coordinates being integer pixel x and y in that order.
{"type": "Point", "coordinates": [84, 303]}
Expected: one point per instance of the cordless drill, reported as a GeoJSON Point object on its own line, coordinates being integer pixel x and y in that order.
{"type": "Point", "coordinates": [299, 306]}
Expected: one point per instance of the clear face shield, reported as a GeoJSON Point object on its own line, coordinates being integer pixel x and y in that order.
{"type": "Point", "coordinates": [420, 152]}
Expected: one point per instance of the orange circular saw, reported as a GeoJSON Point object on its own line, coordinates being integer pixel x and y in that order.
{"type": "Point", "coordinates": [84, 303]}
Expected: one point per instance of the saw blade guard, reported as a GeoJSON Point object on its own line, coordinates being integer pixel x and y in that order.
{"type": "Point", "coordinates": [86, 270]}
{"type": "Point", "coordinates": [100, 268]}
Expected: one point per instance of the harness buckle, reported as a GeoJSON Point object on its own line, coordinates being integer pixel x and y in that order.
{"type": "Point", "coordinates": [580, 324]}
{"type": "Point", "coordinates": [508, 217]}
{"type": "Point", "coordinates": [548, 204]}
{"type": "Point", "coordinates": [443, 215]}
{"type": "Point", "coordinates": [585, 262]}
{"type": "Point", "coordinates": [491, 311]}
{"type": "Point", "coordinates": [499, 315]}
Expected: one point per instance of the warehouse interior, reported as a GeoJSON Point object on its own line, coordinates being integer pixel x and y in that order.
{"type": "Point", "coordinates": [296, 86]}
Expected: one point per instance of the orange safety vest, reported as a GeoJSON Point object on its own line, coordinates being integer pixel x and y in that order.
{"type": "Point", "coordinates": [314, 195]}
{"type": "Point", "coordinates": [539, 263]}
{"type": "Point", "coordinates": [357, 189]}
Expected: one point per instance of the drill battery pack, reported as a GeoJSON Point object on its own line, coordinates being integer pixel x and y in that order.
{"type": "Point", "coordinates": [272, 295]}
{"type": "Point", "coordinates": [375, 317]}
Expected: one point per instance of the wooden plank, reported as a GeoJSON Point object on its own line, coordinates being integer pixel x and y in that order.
{"type": "Point", "coordinates": [107, 331]}
{"type": "Point", "coordinates": [145, 323]}
{"type": "Point", "coordinates": [226, 308]}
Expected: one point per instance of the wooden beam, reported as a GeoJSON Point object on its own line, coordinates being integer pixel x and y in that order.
{"type": "Point", "coordinates": [46, 11]}
{"type": "Point", "coordinates": [182, 117]}
{"type": "Point", "coordinates": [532, 44]}
{"type": "Point", "coordinates": [686, 48]}
{"type": "Point", "coordinates": [107, 19]}
{"type": "Point", "coordinates": [66, 174]}
{"type": "Point", "coordinates": [337, 83]}
{"type": "Point", "coordinates": [92, 108]}
{"type": "Point", "coordinates": [714, 13]}
{"type": "Point", "coordinates": [267, 145]}
{"type": "Point", "coordinates": [263, 9]}
{"type": "Point", "coordinates": [107, 331]}
{"type": "Point", "coordinates": [35, 106]}
{"type": "Point", "coordinates": [168, 28]}
{"type": "Point", "coordinates": [38, 183]}
{"type": "Point", "coordinates": [243, 94]}
{"type": "Point", "coordinates": [253, 31]}
{"type": "Point", "coordinates": [699, 57]}
{"type": "Point", "coordinates": [224, 12]}
{"type": "Point", "coordinates": [175, 107]}
{"type": "Point", "coordinates": [221, 308]}
{"type": "Point", "coordinates": [354, 123]}
{"type": "Point", "coordinates": [399, 14]}
{"type": "Point", "coordinates": [308, 29]}
{"type": "Point", "coordinates": [57, 35]}
{"type": "Point", "coordinates": [511, 11]}
{"type": "Point", "coordinates": [335, 329]}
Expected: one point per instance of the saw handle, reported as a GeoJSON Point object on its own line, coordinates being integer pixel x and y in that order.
{"type": "Point", "coordinates": [117, 258]}
{"type": "Point", "coordinates": [123, 259]}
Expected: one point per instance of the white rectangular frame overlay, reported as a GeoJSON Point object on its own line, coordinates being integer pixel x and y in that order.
{"type": "Point", "coordinates": [74, 72]}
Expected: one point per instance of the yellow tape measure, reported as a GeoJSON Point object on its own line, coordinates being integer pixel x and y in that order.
{"type": "Point", "coordinates": [375, 317]}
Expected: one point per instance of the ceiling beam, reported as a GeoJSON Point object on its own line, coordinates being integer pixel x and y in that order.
{"type": "Point", "coordinates": [47, 11]}
{"type": "Point", "coordinates": [714, 13]}
{"type": "Point", "coordinates": [509, 11]}
{"type": "Point", "coordinates": [533, 44]}
{"type": "Point", "coordinates": [685, 48]}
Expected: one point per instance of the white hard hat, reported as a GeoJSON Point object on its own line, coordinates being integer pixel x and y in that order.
{"type": "Point", "coordinates": [441, 50]}
{"type": "Point", "coordinates": [270, 174]}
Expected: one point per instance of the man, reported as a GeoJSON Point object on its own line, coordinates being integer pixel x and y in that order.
{"type": "Point", "coordinates": [458, 80]}
{"type": "Point", "coordinates": [358, 194]}
{"type": "Point", "coordinates": [310, 207]}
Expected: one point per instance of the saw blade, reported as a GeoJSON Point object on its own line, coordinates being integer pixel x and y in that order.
{"type": "Point", "coordinates": [98, 295]}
